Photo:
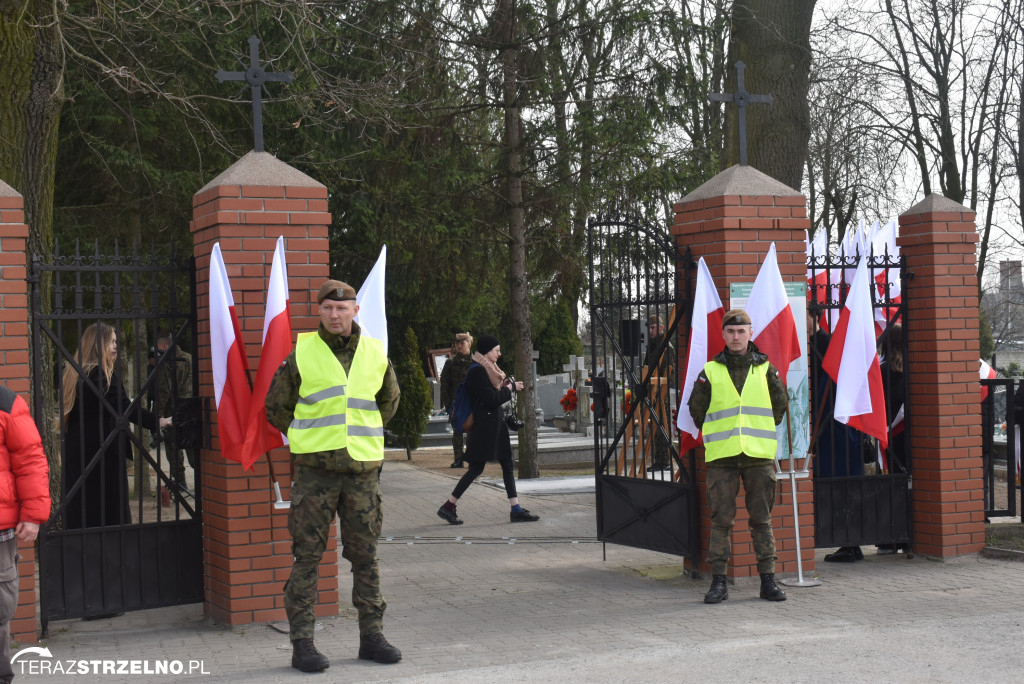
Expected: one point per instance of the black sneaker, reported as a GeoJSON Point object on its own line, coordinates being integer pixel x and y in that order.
{"type": "Point", "coordinates": [376, 648]}
{"type": "Point", "coordinates": [450, 515]}
{"type": "Point", "coordinates": [523, 516]}
{"type": "Point", "coordinates": [306, 658]}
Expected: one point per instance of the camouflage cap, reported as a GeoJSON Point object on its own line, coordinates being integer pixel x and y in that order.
{"type": "Point", "coordinates": [735, 317]}
{"type": "Point", "coordinates": [654, 320]}
{"type": "Point", "coordinates": [337, 291]}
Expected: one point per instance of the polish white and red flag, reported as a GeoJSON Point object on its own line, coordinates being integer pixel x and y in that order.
{"type": "Point", "coordinates": [852, 362]}
{"type": "Point", "coordinates": [887, 279]}
{"type": "Point", "coordinates": [851, 247]}
{"type": "Point", "coordinates": [230, 366]}
{"type": "Point", "coordinates": [819, 290]}
{"type": "Point", "coordinates": [372, 317]}
{"type": "Point", "coordinates": [705, 341]}
{"type": "Point", "coordinates": [775, 330]}
{"type": "Point", "coordinates": [277, 344]}
{"type": "Point", "coordinates": [987, 372]}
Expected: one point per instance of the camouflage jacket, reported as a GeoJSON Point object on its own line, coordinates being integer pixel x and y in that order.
{"type": "Point", "coordinates": [452, 375]}
{"type": "Point", "coordinates": [284, 394]}
{"type": "Point", "coordinates": [665, 361]}
{"type": "Point", "coordinates": [174, 381]}
{"type": "Point", "coordinates": [739, 366]}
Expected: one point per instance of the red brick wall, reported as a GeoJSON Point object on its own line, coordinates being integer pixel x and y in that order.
{"type": "Point", "coordinates": [938, 240]}
{"type": "Point", "coordinates": [247, 548]}
{"type": "Point", "coordinates": [14, 372]}
{"type": "Point", "coordinates": [733, 234]}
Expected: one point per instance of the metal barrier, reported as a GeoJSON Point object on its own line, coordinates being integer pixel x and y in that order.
{"type": "Point", "coordinates": [1000, 445]}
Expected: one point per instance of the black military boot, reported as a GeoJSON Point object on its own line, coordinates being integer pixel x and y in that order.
{"type": "Point", "coordinates": [305, 657]}
{"type": "Point", "coordinates": [719, 590]}
{"type": "Point", "coordinates": [769, 589]}
{"type": "Point", "coordinates": [376, 648]}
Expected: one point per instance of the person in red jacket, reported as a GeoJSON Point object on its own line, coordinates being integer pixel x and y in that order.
{"type": "Point", "coordinates": [24, 505]}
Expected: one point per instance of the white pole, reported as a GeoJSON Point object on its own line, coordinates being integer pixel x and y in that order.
{"type": "Point", "coordinates": [799, 581]}
{"type": "Point", "coordinates": [280, 503]}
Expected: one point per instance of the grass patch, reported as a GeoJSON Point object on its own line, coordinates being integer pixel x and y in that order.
{"type": "Point", "coordinates": [1005, 536]}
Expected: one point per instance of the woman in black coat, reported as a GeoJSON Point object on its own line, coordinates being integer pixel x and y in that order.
{"type": "Point", "coordinates": [488, 389]}
{"type": "Point", "coordinates": [102, 497]}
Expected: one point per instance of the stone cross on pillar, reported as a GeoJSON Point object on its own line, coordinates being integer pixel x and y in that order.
{"type": "Point", "coordinates": [256, 75]}
{"type": "Point", "coordinates": [534, 355]}
{"type": "Point", "coordinates": [741, 97]}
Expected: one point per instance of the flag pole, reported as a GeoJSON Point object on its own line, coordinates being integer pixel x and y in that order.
{"type": "Point", "coordinates": [793, 474]}
{"type": "Point", "coordinates": [279, 503]}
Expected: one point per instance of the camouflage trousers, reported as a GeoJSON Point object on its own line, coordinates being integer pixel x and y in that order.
{"type": "Point", "coordinates": [459, 445]}
{"type": "Point", "coordinates": [316, 496]}
{"type": "Point", "coordinates": [759, 483]}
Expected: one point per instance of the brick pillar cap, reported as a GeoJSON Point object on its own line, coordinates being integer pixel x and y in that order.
{"type": "Point", "coordinates": [743, 181]}
{"type": "Point", "coordinates": [7, 191]}
{"type": "Point", "coordinates": [262, 169]}
{"type": "Point", "coordinates": [935, 204]}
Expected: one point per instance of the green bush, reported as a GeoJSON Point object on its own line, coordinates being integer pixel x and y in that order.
{"type": "Point", "coordinates": [414, 408]}
{"type": "Point", "coordinates": [557, 340]}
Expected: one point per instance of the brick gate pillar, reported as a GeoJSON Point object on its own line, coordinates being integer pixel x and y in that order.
{"type": "Point", "coordinates": [938, 240]}
{"type": "Point", "coordinates": [731, 221]}
{"type": "Point", "coordinates": [15, 373]}
{"type": "Point", "coordinates": [246, 545]}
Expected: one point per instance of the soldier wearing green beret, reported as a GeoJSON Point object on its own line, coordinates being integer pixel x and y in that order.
{"type": "Point", "coordinates": [332, 396]}
{"type": "Point", "coordinates": [452, 375]}
{"type": "Point", "coordinates": [737, 401]}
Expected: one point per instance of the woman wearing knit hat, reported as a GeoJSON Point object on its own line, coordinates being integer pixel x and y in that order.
{"type": "Point", "coordinates": [488, 389]}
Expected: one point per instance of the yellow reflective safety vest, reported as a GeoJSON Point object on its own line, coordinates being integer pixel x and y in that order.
{"type": "Point", "coordinates": [338, 410]}
{"type": "Point", "coordinates": [738, 423]}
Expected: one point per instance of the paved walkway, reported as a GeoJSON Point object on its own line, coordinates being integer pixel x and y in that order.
{"type": "Point", "coordinates": [489, 601]}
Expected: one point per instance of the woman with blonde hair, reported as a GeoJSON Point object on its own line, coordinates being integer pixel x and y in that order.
{"type": "Point", "coordinates": [93, 399]}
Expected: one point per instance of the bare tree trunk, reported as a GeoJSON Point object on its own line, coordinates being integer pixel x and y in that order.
{"type": "Point", "coordinates": [772, 38]}
{"type": "Point", "coordinates": [30, 100]}
{"type": "Point", "coordinates": [517, 238]}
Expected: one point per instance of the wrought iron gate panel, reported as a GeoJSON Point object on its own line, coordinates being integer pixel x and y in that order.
{"type": "Point", "coordinates": [150, 554]}
{"type": "Point", "coordinates": [852, 505]}
{"type": "Point", "coordinates": [998, 447]}
{"type": "Point", "coordinates": [639, 312]}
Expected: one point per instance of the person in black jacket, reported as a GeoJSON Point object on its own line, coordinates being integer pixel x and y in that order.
{"type": "Point", "coordinates": [489, 440]}
{"type": "Point", "coordinates": [94, 401]}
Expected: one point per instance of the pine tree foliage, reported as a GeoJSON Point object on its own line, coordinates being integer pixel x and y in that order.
{"type": "Point", "coordinates": [410, 421]}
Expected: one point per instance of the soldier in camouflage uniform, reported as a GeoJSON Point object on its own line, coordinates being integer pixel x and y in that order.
{"type": "Point", "coordinates": [739, 440]}
{"type": "Point", "coordinates": [452, 375]}
{"type": "Point", "coordinates": [319, 411]}
{"type": "Point", "coordinates": [174, 381]}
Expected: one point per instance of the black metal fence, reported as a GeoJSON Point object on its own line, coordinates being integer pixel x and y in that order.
{"type": "Point", "coordinates": [861, 491]}
{"type": "Point", "coordinates": [1000, 446]}
{"type": "Point", "coordinates": [112, 342]}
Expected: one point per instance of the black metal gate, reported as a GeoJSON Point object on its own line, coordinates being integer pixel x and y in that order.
{"type": "Point", "coordinates": [999, 437]}
{"type": "Point", "coordinates": [639, 313]}
{"type": "Point", "coordinates": [126, 532]}
{"type": "Point", "coordinates": [861, 493]}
